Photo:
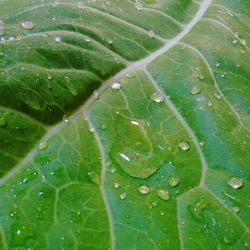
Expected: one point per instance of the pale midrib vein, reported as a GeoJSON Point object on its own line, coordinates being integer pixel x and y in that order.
{"type": "Point", "coordinates": [102, 184]}
{"type": "Point", "coordinates": [130, 68]}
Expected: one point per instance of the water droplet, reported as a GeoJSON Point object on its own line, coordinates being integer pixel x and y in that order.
{"type": "Point", "coordinates": [43, 145]}
{"type": "Point", "coordinates": [116, 185]}
{"type": "Point", "coordinates": [235, 182]}
{"type": "Point", "coordinates": [174, 181]}
{"type": "Point", "coordinates": [133, 149]}
{"type": "Point", "coordinates": [151, 34]}
{"type": "Point", "coordinates": [109, 41]}
{"type": "Point", "coordinates": [210, 104]}
{"type": "Point", "coordinates": [116, 85]}
{"type": "Point", "coordinates": [76, 217]}
{"type": "Point", "coordinates": [157, 97]}
{"type": "Point", "coordinates": [58, 39]}
{"type": "Point", "coordinates": [236, 209]}
{"type": "Point", "coordinates": [27, 24]}
{"type": "Point", "coordinates": [243, 42]}
{"type": "Point", "coordinates": [138, 5]}
{"type": "Point", "coordinates": [123, 196]}
{"type": "Point", "coordinates": [195, 90]}
{"type": "Point", "coordinates": [184, 145]}
{"type": "Point", "coordinates": [94, 177]}
{"type": "Point", "coordinates": [113, 170]}
{"type": "Point", "coordinates": [30, 177]}
{"type": "Point", "coordinates": [144, 189]}
{"type": "Point", "coordinates": [218, 96]}
{"type": "Point", "coordinates": [202, 143]}
{"type": "Point", "coordinates": [197, 209]}
{"type": "Point", "coordinates": [3, 121]}
{"type": "Point", "coordinates": [21, 235]}
{"type": "Point", "coordinates": [163, 194]}
{"type": "Point", "coordinates": [65, 118]}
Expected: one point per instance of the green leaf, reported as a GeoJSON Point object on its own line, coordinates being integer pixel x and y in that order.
{"type": "Point", "coordinates": [124, 124]}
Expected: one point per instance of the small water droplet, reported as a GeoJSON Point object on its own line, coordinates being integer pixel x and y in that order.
{"type": "Point", "coordinates": [218, 96]}
{"type": "Point", "coordinates": [138, 5]}
{"type": "Point", "coordinates": [94, 177]}
{"type": "Point", "coordinates": [195, 90]}
{"type": "Point", "coordinates": [184, 145]}
{"type": "Point", "coordinates": [113, 170]}
{"type": "Point", "coordinates": [65, 118]}
{"type": "Point", "coordinates": [116, 185]}
{"type": "Point", "coordinates": [174, 181]}
{"type": "Point", "coordinates": [236, 209]}
{"type": "Point", "coordinates": [109, 41]}
{"type": "Point", "coordinates": [3, 121]}
{"type": "Point", "coordinates": [157, 97]}
{"type": "Point", "coordinates": [144, 189]}
{"type": "Point", "coordinates": [123, 196]}
{"type": "Point", "coordinates": [235, 182]}
{"type": "Point", "coordinates": [151, 33]}
{"type": "Point", "coordinates": [58, 39]}
{"type": "Point", "coordinates": [43, 145]}
{"type": "Point", "coordinates": [27, 24]}
{"type": "Point", "coordinates": [210, 104]}
{"type": "Point", "coordinates": [76, 217]}
{"type": "Point", "coordinates": [202, 143]}
{"type": "Point", "coordinates": [116, 85]}
{"type": "Point", "coordinates": [163, 194]}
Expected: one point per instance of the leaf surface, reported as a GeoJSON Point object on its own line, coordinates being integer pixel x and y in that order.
{"type": "Point", "coordinates": [124, 124]}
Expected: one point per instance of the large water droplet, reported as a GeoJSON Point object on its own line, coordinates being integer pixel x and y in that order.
{"type": "Point", "coordinates": [144, 189]}
{"type": "Point", "coordinates": [157, 97]}
{"type": "Point", "coordinates": [163, 194]}
{"type": "Point", "coordinates": [235, 182]}
{"type": "Point", "coordinates": [27, 24]}
{"type": "Point", "coordinates": [134, 150]}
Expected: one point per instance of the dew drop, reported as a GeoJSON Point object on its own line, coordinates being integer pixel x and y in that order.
{"type": "Point", "coordinates": [116, 185]}
{"type": "Point", "coordinates": [174, 181]}
{"type": "Point", "coordinates": [151, 33]}
{"type": "Point", "coordinates": [116, 85]}
{"type": "Point", "coordinates": [138, 5]}
{"type": "Point", "coordinates": [184, 145]}
{"type": "Point", "coordinates": [210, 104]}
{"type": "Point", "coordinates": [157, 97]}
{"type": "Point", "coordinates": [94, 177]}
{"type": "Point", "coordinates": [113, 170]}
{"type": "Point", "coordinates": [202, 143]}
{"type": "Point", "coordinates": [76, 217]}
{"type": "Point", "coordinates": [163, 194]}
{"type": "Point", "coordinates": [43, 145]}
{"type": "Point", "coordinates": [3, 121]}
{"type": "Point", "coordinates": [236, 209]}
{"type": "Point", "coordinates": [58, 39]}
{"type": "Point", "coordinates": [27, 24]}
{"type": "Point", "coordinates": [195, 90]}
{"type": "Point", "coordinates": [235, 182]}
{"type": "Point", "coordinates": [123, 196]}
{"type": "Point", "coordinates": [144, 189]}
{"type": "Point", "coordinates": [65, 118]}
{"type": "Point", "coordinates": [109, 41]}
{"type": "Point", "coordinates": [217, 96]}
